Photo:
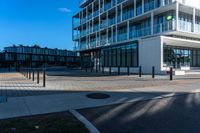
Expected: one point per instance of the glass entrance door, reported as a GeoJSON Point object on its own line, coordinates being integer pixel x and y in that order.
{"type": "Point", "coordinates": [177, 57]}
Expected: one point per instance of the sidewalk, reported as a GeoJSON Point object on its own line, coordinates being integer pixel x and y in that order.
{"type": "Point", "coordinates": [33, 105]}
{"type": "Point", "coordinates": [64, 93]}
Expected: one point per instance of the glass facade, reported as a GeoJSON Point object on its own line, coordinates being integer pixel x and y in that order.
{"type": "Point", "coordinates": [123, 55]}
{"type": "Point", "coordinates": [36, 56]}
{"type": "Point", "coordinates": [178, 57]}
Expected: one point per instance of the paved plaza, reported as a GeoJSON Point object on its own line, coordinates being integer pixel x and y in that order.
{"type": "Point", "coordinates": [67, 90]}
{"type": "Point", "coordinates": [59, 82]}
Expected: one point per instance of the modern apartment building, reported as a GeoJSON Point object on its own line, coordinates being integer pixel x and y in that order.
{"type": "Point", "coordinates": [35, 56]}
{"type": "Point", "coordinates": [133, 33]}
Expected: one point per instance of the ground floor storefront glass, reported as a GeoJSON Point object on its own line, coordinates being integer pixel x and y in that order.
{"type": "Point", "coordinates": [178, 57]}
{"type": "Point", "coordinates": [124, 55]}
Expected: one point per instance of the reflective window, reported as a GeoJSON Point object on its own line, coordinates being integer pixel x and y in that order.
{"type": "Point", "coordinates": [123, 56]}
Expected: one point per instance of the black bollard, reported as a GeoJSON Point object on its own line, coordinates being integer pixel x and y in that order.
{"type": "Point", "coordinates": [128, 70]}
{"type": "Point", "coordinates": [44, 78]}
{"type": "Point", "coordinates": [153, 72]}
{"type": "Point", "coordinates": [38, 77]}
{"type": "Point", "coordinates": [29, 73]}
{"type": "Point", "coordinates": [118, 70]}
{"type": "Point", "coordinates": [33, 75]}
{"type": "Point", "coordinates": [110, 70]}
{"type": "Point", "coordinates": [171, 73]}
{"type": "Point", "coordinates": [26, 73]}
{"type": "Point", "coordinates": [140, 71]}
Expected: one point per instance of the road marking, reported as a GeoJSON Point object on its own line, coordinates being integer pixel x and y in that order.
{"type": "Point", "coordinates": [88, 124]}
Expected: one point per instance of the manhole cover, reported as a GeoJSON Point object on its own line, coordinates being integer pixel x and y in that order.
{"type": "Point", "coordinates": [98, 96]}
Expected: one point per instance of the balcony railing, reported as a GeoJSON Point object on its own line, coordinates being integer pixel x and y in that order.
{"type": "Point", "coordinates": [104, 24]}
{"type": "Point", "coordinates": [122, 37]}
{"type": "Point", "coordinates": [166, 26]}
{"type": "Point", "coordinates": [197, 28]}
{"type": "Point", "coordinates": [185, 26]}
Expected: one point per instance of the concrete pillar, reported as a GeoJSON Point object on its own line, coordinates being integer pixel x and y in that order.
{"type": "Point", "coordinates": [116, 11]}
{"type": "Point", "coordinates": [135, 8]}
{"type": "Point", "coordinates": [103, 5]}
{"type": "Point", "coordinates": [194, 19]}
{"type": "Point", "coordinates": [162, 2]}
{"type": "Point", "coordinates": [121, 13]}
{"type": "Point", "coordinates": [152, 23]}
{"type": "Point", "coordinates": [177, 16]}
{"type": "Point", "coordinates": [128, 31]}
{"type": "Point", "coordinates": [142, 6]}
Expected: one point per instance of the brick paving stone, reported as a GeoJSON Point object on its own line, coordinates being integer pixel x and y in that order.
{"type": "Point", "coordinates": [15, 84]}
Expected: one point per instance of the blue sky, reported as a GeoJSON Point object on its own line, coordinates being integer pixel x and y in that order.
{"type": "Point", "coordinates": [44, 22]}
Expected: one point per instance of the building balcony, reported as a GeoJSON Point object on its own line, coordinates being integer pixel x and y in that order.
{"type": "Point", "coordinates": [185, 26]}
{"type": "Point", "coordinates": [122, 37]}
{"type": "Point", "coordinates": [107, 6]}
{"type": "Point", "coordinates": [166, 26]}
{"type": "Point", "coordinates": [104, 24]}
{"type": "Point", "coordinates": [96, 13]}
{"type": "Point", "coordinates": [197, 28]}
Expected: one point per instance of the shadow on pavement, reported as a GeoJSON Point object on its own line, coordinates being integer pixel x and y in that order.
{"type": "Point", "coordinates": [178, 114]}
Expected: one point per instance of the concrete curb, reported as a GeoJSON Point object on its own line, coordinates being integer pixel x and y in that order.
{"type": "Point", "coordinates": [87, 124]}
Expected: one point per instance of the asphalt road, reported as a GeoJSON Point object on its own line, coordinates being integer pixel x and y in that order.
{"type": "Point", "coordinates": [180, 114]}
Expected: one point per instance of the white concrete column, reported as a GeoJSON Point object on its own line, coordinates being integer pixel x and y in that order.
{"type": "Point", "coordinates": [142, 6]}
{"type": "Point", "coordinates": [99, 7]}
{"type": "Point", "coordinates": [135, 8]}
{"type": "Point", "coordinates": [152, 23]}
{"type": "Point", "coordinates": [107, 19]}
{"type": "Point", "coordinates": [86, 13]}
{"type": "Point", "coordinates": [177, 16]}
{"type": "Point", "coordinates": [116, 11]}
{"type": "Point", "coordinates": [128, 29]}
{"type": "Point", "coordinates": [103, 5]}
{"type": "Point", "coordinates": [194, 19]}
{"type": "Point", "coordinates": [121, 12]}
{"type": "Point", "coordinates": [162, 2]}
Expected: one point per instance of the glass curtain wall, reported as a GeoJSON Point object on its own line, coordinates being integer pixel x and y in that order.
{"type": "Point", "coordinates": [178, 57]}
{"type": "Point", "coordinates": [123, 56]}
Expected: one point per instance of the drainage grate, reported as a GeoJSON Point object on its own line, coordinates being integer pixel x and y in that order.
{"type": "Point", "coordinates": [3, 99]}
{"type": "Point", "coordinates": [97, 96]}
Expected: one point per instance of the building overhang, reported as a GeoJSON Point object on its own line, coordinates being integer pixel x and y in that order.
{"type": "Point", "coordinates": [171, 41]}
{"type": "Point", "coordinates": [84, 3]}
